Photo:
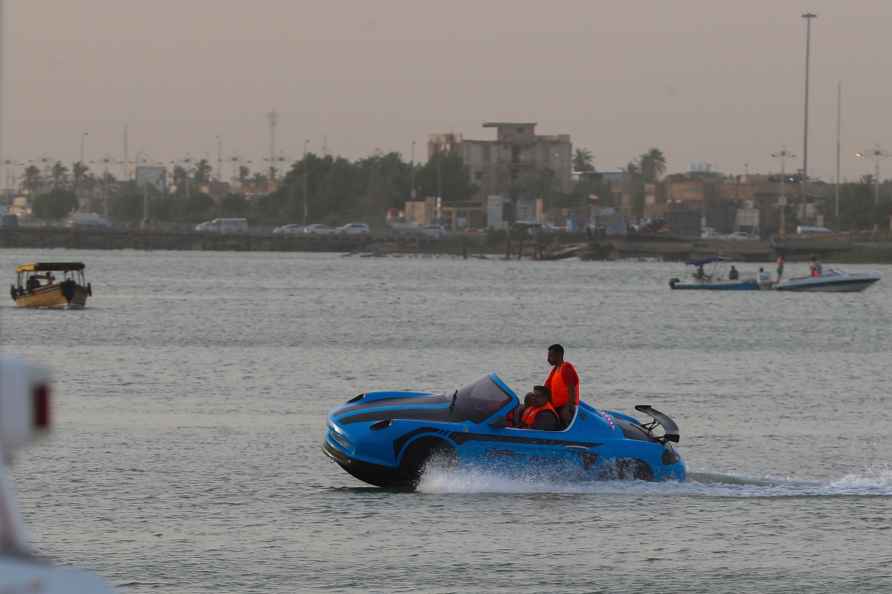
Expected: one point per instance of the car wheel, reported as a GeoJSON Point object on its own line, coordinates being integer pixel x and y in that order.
{"type": "Point", "coordinates": [425, 454]}
{"type": "Point", "coordinates": [632, 469]}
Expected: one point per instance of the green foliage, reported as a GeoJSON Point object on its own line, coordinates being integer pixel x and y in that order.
{"type": "Point", "coordinates": [652, 165]}
{"type": "Point", "coordinates": [202, 173]}
{"type": "Point", "coordinates": [234, 205]}
{"type": "Point", "coordinates": [446, 172]}
{"type": "Point", "coordinates": [55, 205]}
{"type": "Point", "coordinates": [856, 206]}
{"type": "Point", "coordinates": [31, 181]}
{"type": "Point", "coordinates": [328, 189]}
{"type": "Point", "coordinates": [582, 160]}
{"type": "Point", "coordinates": [127, 205]}
{"type": "Point", "coordinates": [60, 175]}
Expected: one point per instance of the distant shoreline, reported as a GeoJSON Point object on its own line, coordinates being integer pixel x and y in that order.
{"type": "Point", "coordinates": [469, 246]}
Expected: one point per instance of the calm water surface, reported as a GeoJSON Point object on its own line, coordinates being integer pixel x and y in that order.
{"type": "Point", "coordinates": [192, 394]}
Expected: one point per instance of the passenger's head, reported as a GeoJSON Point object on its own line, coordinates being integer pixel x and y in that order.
{"type": "Point", "coordinates": [538, 397]}
{"type": "Point", "coordinates": [555, 354]}
{"type": "Point", "coordinates": [542, 394]}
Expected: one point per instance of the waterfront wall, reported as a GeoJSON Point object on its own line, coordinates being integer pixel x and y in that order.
{"type": "Point", "coordinates": [556, 247]}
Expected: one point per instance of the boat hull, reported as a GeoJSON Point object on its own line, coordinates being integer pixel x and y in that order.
{"type": "Point", "coordinates": [59, 296]}
{"type": "Point", "coordinates": [747, 285]}
{"type": "Point", "coordinates": [836, 284]}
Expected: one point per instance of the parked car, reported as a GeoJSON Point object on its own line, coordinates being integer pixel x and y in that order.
{"type": "Point", "coordinates": [353, 229]}
{"type": "Point", "coordinates": [434, 231]}
{"type": "Point", "coordinates": [223, 226]}
{"type": "Point", "coordinates": [289, 229]}
{"type": "Point", "coordinates": [318, 229]}
{"type": "Point", "coordinates": [87, 220]}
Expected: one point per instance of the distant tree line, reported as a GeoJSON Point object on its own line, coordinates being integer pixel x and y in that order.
{"type": "Point", "coordinates": [317, 188]}
{"type": "Point", "coordinates": [331, 189]}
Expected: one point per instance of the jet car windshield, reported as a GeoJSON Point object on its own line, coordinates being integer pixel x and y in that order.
{"type": "Point", "coordinates": [478, 401]}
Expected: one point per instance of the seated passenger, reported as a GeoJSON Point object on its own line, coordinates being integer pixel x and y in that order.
{"type": "Point", "coordinates": [538, 413]}
{"type": "Point", "coordinates": [733, 274]}
{"type": "Point", "coordinates": [33, 282]}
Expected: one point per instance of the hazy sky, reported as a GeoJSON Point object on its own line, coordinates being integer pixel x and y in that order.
{"type": "Point", "coordinates": [713, 81]}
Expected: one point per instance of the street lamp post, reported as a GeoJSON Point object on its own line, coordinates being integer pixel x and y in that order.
{"type": "Point", "coordinates": [877, 153]}
{"type": "Point", "coordinates": [808, 16]}
{"type": "Point", "coordinates": [783, 155]}
{"type": "Point", "coordinates": [306, 183]}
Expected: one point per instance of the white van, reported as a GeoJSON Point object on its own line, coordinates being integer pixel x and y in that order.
{"type": "Point", "coordinates": [223, 226]}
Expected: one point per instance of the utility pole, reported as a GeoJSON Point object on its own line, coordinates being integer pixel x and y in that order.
{"type": "Point", "coordinates": [126, 162]}
{"type": "Point", "coordinates": [306, 183]}
{"type": "Point", "coordinates": [145, 205]}
{"type": "Point", "coordinates": [808, 16]}
{"type": "Point", "coordinates": [219, 158]}
{"type": "Point", "coordinates": [412, 172]}
{"type": "Point", "coordinates": [838, 134]}
{"type": "Point", "coordinates": [783, 155]}
{"type": "Point", "coordinates": [273, 119]}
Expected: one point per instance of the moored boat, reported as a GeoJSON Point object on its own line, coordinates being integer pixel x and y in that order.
{"type": "Point", "coordinates": [716, 279]}
{"type": "Point", "coordinates": [835, 281]}
{"type": "Point", "coordinates": [36, 286]}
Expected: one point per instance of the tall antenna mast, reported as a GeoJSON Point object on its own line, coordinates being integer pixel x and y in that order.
{"type": "Point", "coordinates": [273, 118]}
{"type": "Point", "coordinates": [126, 162]}
{"type": "Point", "coordinates": [838, 133]}
{"type": "Point", "coordinates": [808, 16]}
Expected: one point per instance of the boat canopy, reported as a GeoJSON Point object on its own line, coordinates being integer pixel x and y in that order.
{"type": "Point", "coordinates": [707, 260]}
{"type": "Point", "coordinates": [45, 266]}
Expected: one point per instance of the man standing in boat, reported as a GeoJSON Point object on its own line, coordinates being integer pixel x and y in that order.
{"type": "Point", "coordinates": [563, 383]}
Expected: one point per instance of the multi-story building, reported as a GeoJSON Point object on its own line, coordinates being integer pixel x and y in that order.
{"type": "Point", "coordinates": [513, 164]}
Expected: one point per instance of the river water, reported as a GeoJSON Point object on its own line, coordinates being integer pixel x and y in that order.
{"type": "Point", "coordinates": [192, 394]}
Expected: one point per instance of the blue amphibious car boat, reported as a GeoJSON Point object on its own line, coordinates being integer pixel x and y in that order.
{"type": "Point", "coordinates": [387, 438]}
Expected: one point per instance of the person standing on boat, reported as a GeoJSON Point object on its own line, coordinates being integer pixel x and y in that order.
{"type": "Point", "coordinates": [814, 267]}
{"type": "Point", "coordinates": [780, 267]}
{"type": "Point", "coordinates": [563, 383]}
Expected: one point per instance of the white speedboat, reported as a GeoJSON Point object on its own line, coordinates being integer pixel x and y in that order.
{"type": "Point", "coordinates": [830, 280]}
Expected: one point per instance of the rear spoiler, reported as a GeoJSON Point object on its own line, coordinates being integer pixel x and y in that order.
{"type": "Point", "coordinates": [670, 429]}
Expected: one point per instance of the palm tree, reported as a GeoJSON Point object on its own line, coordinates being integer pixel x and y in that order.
{"type": "Point", "coordinates": [653, 164]}
{"type": "Point", "coordinates": [31, 182]}
{"type": "Point", "coordinates": [79, 172]}
{"type": "Point", "coordinates": [60, 175]}
{"type": "Point", "coordinates": [582, 160]}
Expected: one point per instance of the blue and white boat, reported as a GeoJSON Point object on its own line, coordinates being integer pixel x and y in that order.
{"type": "Point", "coordinates": [834, 281]}
{"type": "Point", "coordinates": [716, 278]}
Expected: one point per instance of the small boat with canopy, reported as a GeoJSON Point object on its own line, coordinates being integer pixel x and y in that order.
{"type": "Point", "coordinates": [37, 286]}
{"type": "Point", "coordinates": [712, 274]}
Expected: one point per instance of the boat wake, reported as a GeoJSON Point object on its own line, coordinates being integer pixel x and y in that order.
{"type": "Point", "coordinates": [866, 483]}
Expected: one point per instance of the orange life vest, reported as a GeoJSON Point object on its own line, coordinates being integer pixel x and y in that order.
{"type": "Point", "coordinates": [528, 419]}
{"type": "Point", "coordinates": [560, 391]}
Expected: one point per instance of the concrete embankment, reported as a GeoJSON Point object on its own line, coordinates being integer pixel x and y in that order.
{"type": "Point", "coordinates": [82, 239]}
{"type": "Point", "coordinates": [556, 247]}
